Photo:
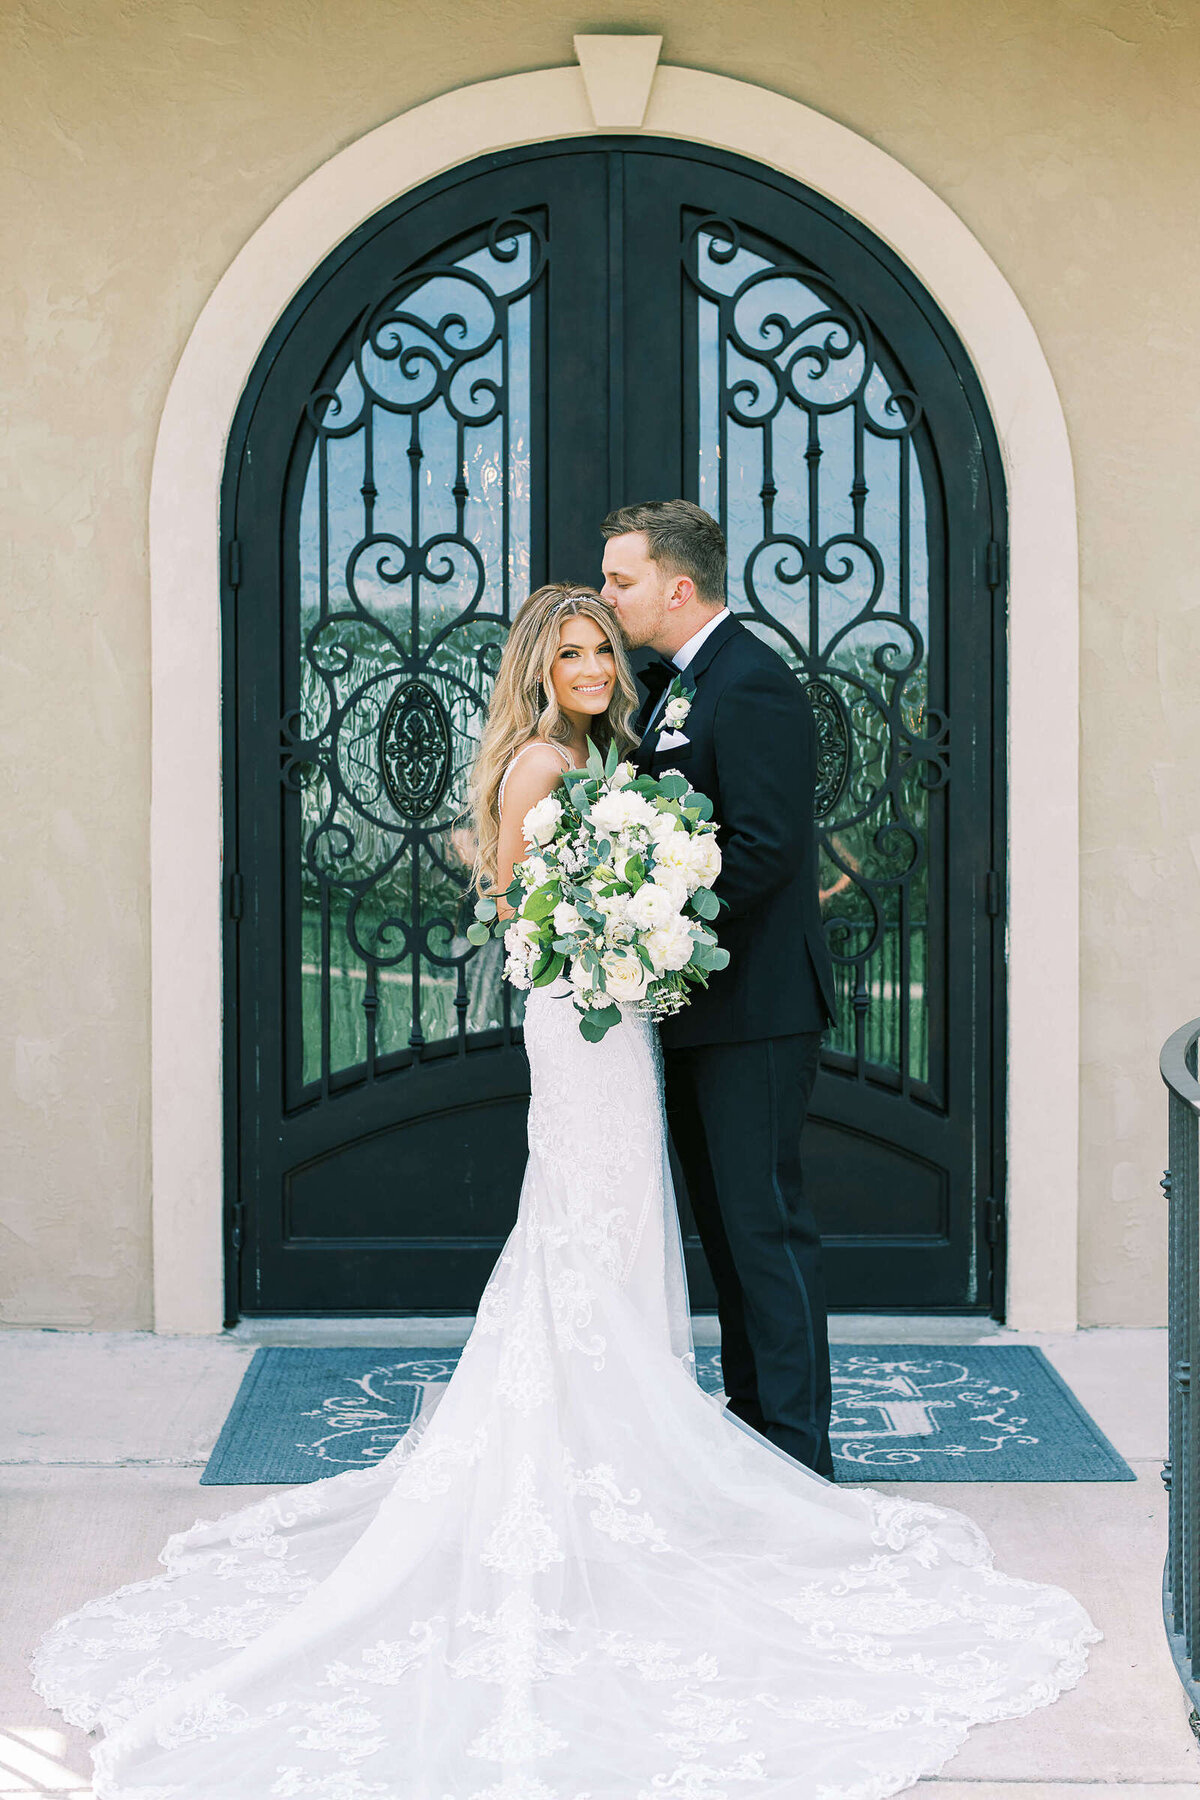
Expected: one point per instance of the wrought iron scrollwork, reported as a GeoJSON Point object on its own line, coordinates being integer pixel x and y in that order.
{"type": "Point", "coordinates": [833, 745]}
{"type": "Point", "coordinates": [414, 533]}
{"type": "Point", "coordinates": [808, 455]}
{"type": "Point", "coordinates": [415, 751]}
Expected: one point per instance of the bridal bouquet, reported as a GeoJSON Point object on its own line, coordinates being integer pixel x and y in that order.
{"type": "Point", "coordinates": [616, 893]}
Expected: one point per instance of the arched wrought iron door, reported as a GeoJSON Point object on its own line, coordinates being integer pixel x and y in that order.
{"type": "Point", "coordinates": [438, 424]}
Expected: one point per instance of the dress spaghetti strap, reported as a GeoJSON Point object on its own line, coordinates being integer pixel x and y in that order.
{"type": "Point", "coordinates": [514, 760]}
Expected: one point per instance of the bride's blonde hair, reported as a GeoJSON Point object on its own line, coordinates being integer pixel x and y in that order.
{"type": "Point", "coordinates": [524, 705]}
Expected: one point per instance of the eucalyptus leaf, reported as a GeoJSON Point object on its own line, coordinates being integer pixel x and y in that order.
{"type": "Point", "coordinates": [600, 1019]}
{"type": "Point", "coordinates": [547, 971]}
{"type": "Point", "coordinates": [478, 933]}
{"type": "Point", "coordinates": [705, 903]}
{"type": "Point", "coordinates": [485, 907]}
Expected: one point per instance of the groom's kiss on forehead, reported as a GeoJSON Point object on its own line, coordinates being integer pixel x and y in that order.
{"type": "Point", "coordinates": [664, 572]}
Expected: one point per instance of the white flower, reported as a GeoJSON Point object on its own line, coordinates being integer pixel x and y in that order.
{"type": "Point", "coordinates": [665, 825]}
{"type": "Point", "coordinates": [521, 943]}
{"type": "Point", "coordinates": [675, 713]}
{"type": "Point", "coordinates": [694, 861]}
{"type": "Point", "coordinates": [615, 813]}
{"type": "Point", "coordinates": [670, 946]}
{"type": "Point", "coordinates": [622, 775]}
{"type": "Point", "coordinates": [706, 858]}
{"type": "Point", "coordinates": [520, 936]}
{"type": "Point", "coordinates": [566, 919]}
{"type": "Point", "coordinates": [541, 821]}
{"type": "Point", "coordinates": [534, 872]}
{"type": "Point", "coordinates": [617, 926]}
{"type": "Point", "coordinates": [517, 973]}
{"type": "Point", "coordinates": [652, 905]}
{"type": "Point", "coordinates": [625, 977]}
{"type": "Point", "coordinates": [673, 859]}
{"type": "Point", "coordinates": [581, 981]}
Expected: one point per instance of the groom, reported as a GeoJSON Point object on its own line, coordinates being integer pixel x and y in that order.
{"type": "Point", "coordinates": [742, 1057]}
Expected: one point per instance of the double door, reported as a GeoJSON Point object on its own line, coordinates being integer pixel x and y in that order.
{"type": "Point", "coordinates": [437, 425]}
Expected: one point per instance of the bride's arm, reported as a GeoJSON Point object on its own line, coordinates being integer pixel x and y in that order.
{"type": "Point", "coordinates": [536, 775]}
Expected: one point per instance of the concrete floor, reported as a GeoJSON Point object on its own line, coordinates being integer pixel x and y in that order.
{"type": "Point", "coordinates": [103, 1437]}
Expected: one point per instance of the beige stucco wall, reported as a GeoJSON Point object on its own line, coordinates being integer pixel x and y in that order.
{"type": "Point", "coordinates": [145, 144]}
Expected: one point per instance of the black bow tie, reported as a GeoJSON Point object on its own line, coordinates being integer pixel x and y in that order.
{"type": "Point", "coordinates": [655, 676]}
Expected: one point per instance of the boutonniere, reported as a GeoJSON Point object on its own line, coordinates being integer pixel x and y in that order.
{"type": "Point", "coordinates": [678, 704]}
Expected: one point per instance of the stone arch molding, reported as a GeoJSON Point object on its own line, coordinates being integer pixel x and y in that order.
{"type": "Point", "coordinates": [617, 85]}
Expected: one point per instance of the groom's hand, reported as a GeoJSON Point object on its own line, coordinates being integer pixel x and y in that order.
{"type": "Point", "coordinates": [764, 745]}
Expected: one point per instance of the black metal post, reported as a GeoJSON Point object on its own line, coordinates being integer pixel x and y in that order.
{"type": "Point", "coordinates": [1181, 1471]}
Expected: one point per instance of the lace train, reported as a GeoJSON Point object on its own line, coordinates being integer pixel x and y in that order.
{"type": "Point", "coordinates": [577, 1578]}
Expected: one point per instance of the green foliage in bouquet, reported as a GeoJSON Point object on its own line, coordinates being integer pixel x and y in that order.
{"type": "Point", "coordinates": [615, 893]}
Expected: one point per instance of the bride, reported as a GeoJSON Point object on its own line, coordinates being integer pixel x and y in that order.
{"type": "Point", "coordinates": [578, 1578]}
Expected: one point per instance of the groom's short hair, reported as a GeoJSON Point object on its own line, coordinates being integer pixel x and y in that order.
{"type": "Point", "coordinates": [682, 538]}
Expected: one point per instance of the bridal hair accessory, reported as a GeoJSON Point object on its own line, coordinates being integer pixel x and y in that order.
{"type": "Point", "coordinates": [615, 893]}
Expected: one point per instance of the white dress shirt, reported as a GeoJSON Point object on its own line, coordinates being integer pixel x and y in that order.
{"type": "Point", "coordinates": [686, 652]}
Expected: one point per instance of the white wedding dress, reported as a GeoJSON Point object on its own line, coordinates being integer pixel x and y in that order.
{"type": "Point", "coordinates": [577, 1578]}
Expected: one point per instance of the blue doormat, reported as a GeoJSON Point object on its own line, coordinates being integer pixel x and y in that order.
{"type": "Point", "coordinates": [901, 1412]}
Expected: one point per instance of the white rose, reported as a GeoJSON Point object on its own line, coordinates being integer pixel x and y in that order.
{"type": "Point", "coordinates": [541, 821]}
{"type": "Point", "coordinates": [654, 904]}
{"type": "Point", "coordinates": [566, 919]}
{"type": "Point", "coordinates": [675, 712]}
{"type": "Point", "coordinates": [622, 775]}
{"type": "Point", "coordinates": [625, 977]}
{"type": "Point", "coordinates": [670, 946]}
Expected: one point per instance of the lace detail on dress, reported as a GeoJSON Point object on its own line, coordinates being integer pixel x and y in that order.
{"type": "Point", "coordinates": [573, 1579]}
{"type": "Point", "coordinates": [522, 1542]}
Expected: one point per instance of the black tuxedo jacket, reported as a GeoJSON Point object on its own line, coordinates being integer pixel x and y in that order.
{"type": "Point", "coordinates": [752, 749]}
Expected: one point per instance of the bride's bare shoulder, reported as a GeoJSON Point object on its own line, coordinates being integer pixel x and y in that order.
{"type": "Point", "coordinates": [533, 773]}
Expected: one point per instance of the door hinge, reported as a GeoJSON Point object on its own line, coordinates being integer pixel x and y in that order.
{"type": "Point", "coordinates": [993, 893]}
{"type": "Point", "coordinates": [995, 563]}
{"type": "Point", "coordinates": [237, 895]}
{"type": "Point", "coordinates": [993, 1220]}
{"type": "Point", "coordinates": [235, 563]}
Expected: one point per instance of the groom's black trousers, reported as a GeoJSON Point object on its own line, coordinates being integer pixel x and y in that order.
{"type": "Point", "coordinates": [736, 1112]}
